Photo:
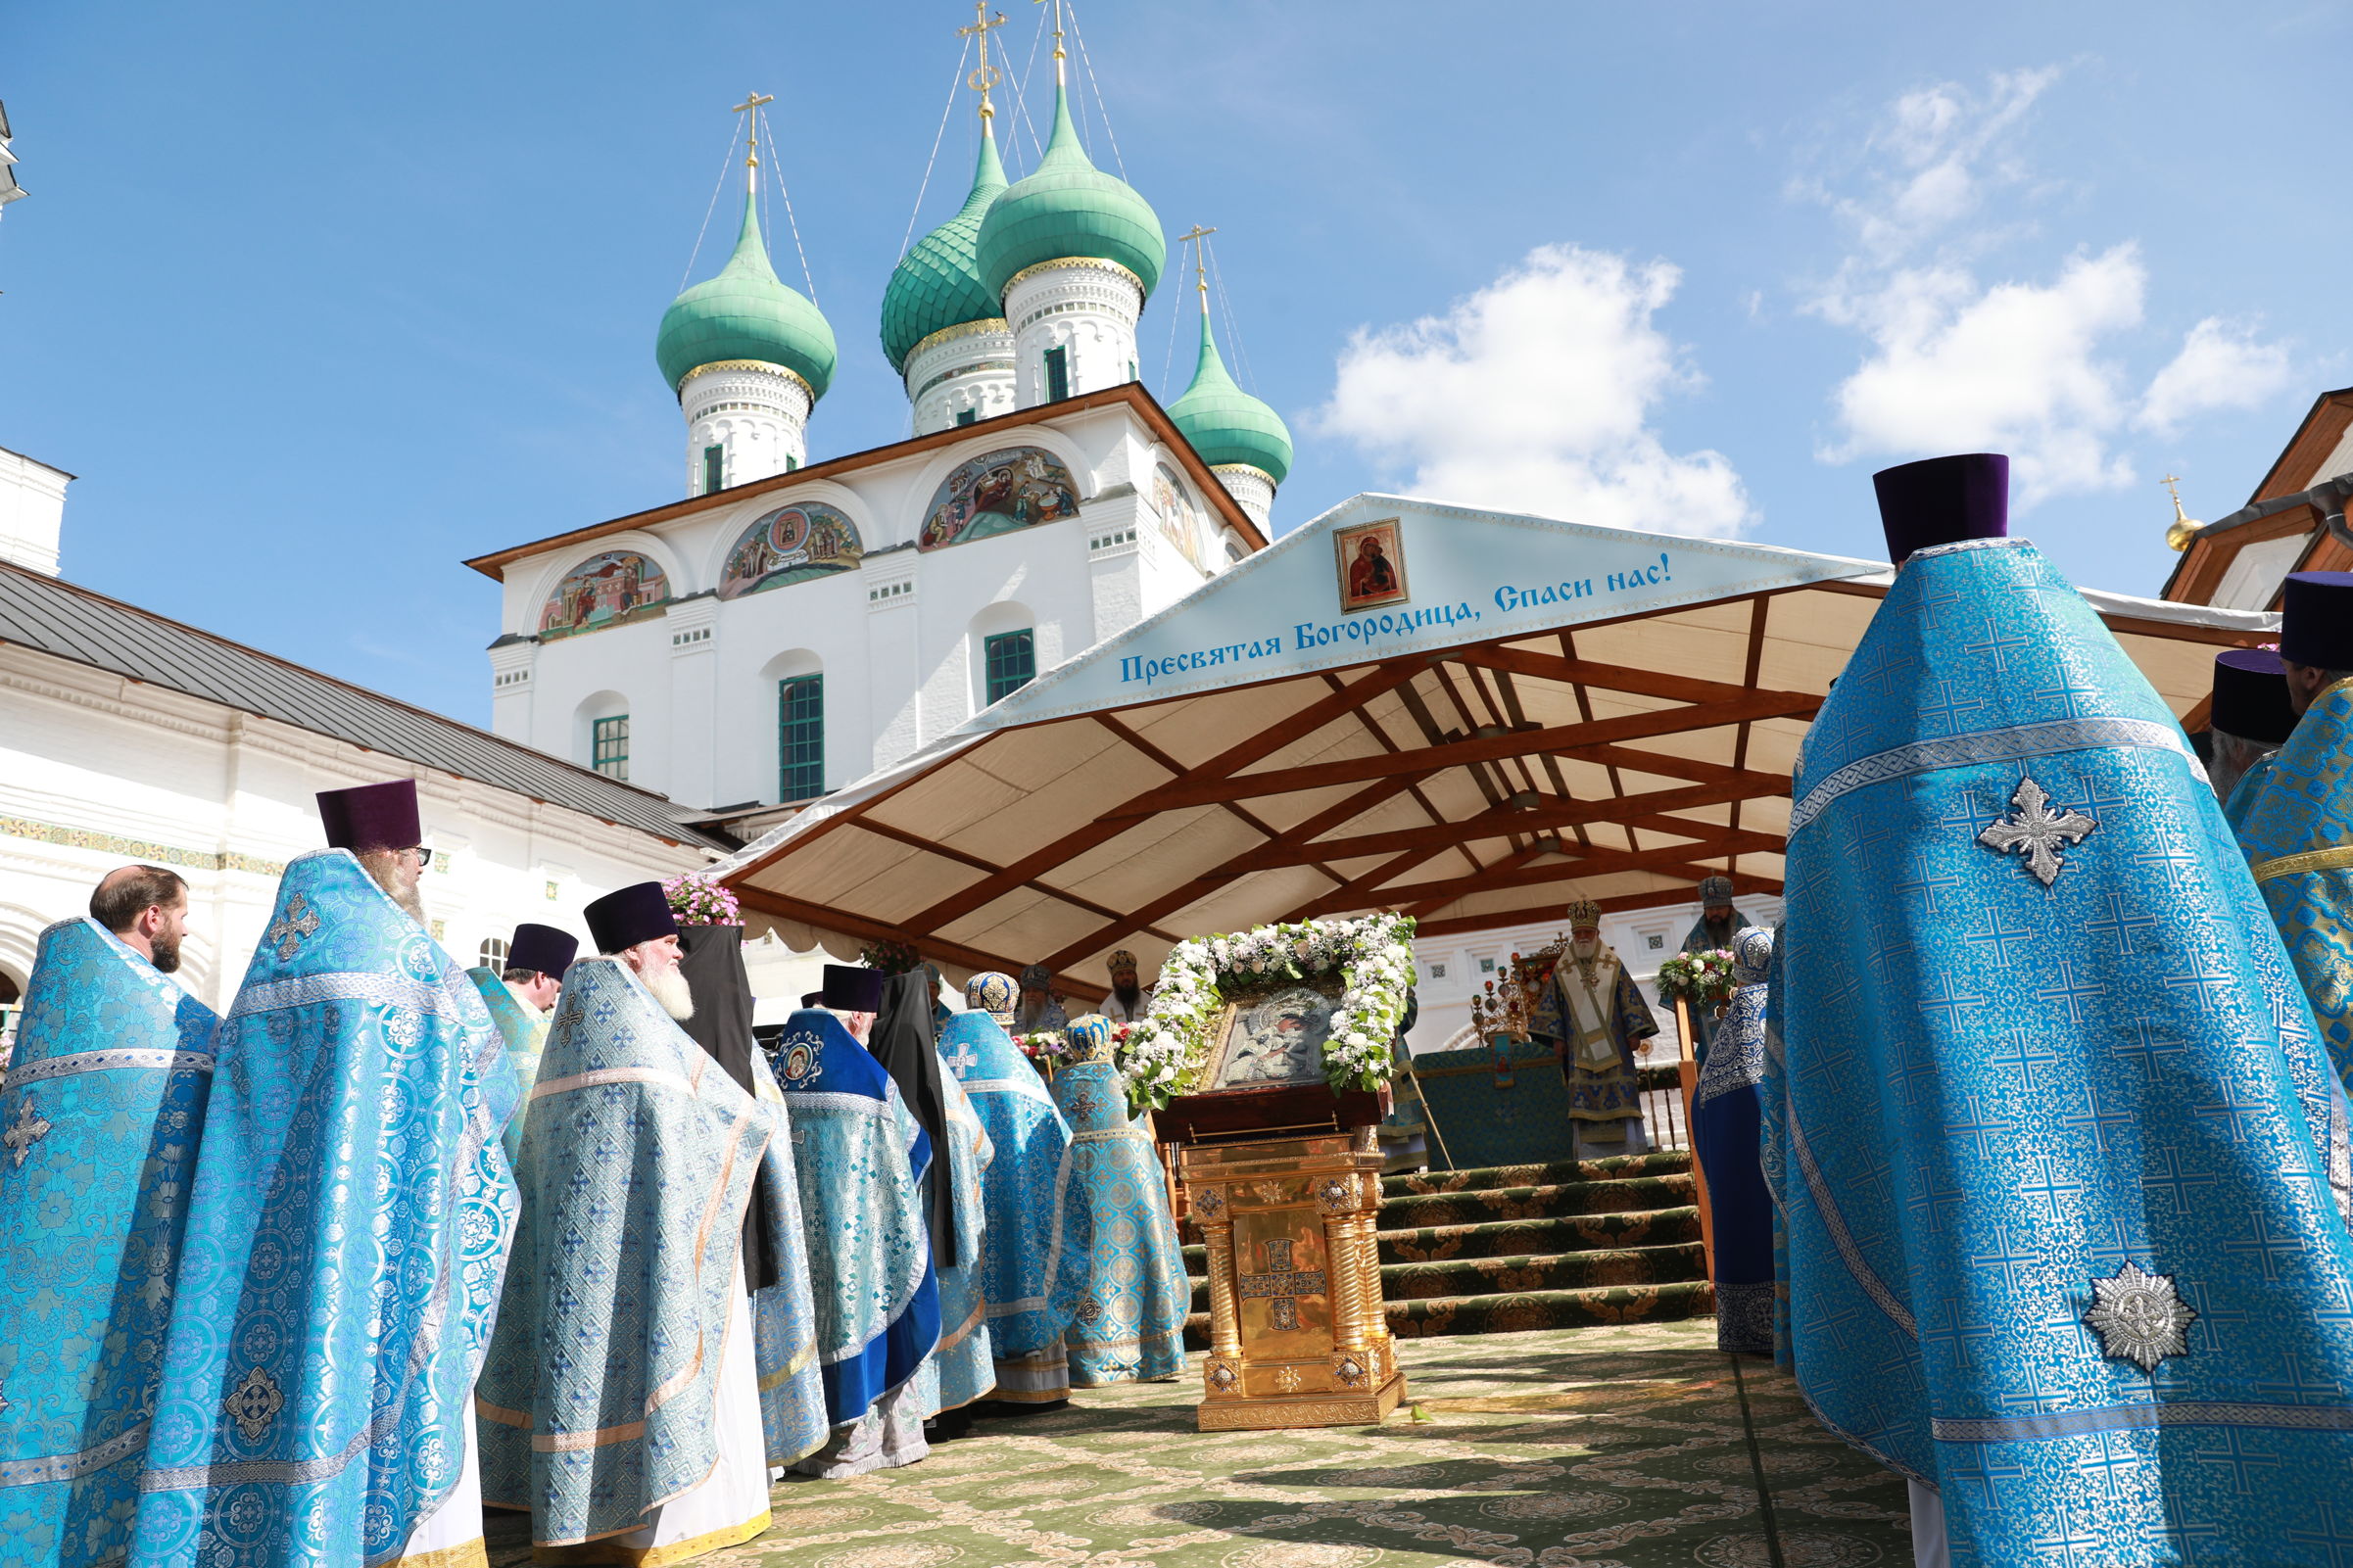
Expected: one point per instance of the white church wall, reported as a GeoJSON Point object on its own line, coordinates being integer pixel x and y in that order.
{"type": "Point", "coordinates": [97, 770]}
{"type": "Point", "coordinates": [895, 637]}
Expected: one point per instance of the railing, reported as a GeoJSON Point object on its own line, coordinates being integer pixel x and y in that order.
{"type": "Point", "coordinates": [1664, 1115]}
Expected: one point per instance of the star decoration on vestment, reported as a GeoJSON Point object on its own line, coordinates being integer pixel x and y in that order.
{"type": "Point", "coordinates": [2036, 831]}
{"type": "Point", "coordinates": [2140, 1317]}
{"type": "Point", "coordinates": [300, 921]}
{"type": "Point", "coordinates": [253, 1403]}
{"type": "Point", "coordinates": [25, 1131]}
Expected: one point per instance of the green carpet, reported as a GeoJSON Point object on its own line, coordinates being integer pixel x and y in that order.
{"type": "Point", "coordinates": [1601, 1448]}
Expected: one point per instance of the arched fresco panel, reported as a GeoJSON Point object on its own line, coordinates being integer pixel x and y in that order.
{"type": "Point", "coordinates": [604, 591]}
{"type": "Point", "coordinates": [997, 493]}
{"type": "Point", "coordinates": [791, 544]}
{"type": "Point", "coordinates": [1179, 520]}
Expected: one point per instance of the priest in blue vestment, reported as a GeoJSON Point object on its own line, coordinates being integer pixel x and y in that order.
{"type": "Point", "coordinates": [1027, 1137]}
{"type": "Point", "coordinates": [99, 1123]}
{"type": "Point", "coordinates": [2065, 1165]}
{"type": "Point", "coordinates": [2248, 719]}
{"type": "Point", "coordinates": [860, 1156]}
{"type": "Point", "coordinates": [346, 1238]}
{"type": "Point", "coordinates": [1724, 1136]}
{"type": "Point", "coordinates": [621, 1403]}
{"type": "Point", "coordinates": [520, 995]}
{"type": "Point", "coordinates": [1112, 1202]}
{"type": "Point", "coordinates": [961, 1368]}
{"type": "Point", "coordinates": [2298, 835]}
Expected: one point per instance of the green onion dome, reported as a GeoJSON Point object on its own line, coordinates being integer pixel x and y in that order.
{"type": "Point", "coordinates": [1224, 424]}
{"type": "Point", "coordinates": [1068, 209]}
{"type": "Point", "coordinates": [938, 284]}
{"type": "Point", "coordinates": [746, 313]}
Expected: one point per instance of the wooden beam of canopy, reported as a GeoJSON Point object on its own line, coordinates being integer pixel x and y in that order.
{"type": "Point", "coordinates": [1560, 740]}
{"type": "Point", "coordinates": [1574, 869]}
{"type": "Point", "coordinates": [1743, 885]}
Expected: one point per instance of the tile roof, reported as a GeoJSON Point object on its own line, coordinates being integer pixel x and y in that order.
{"type": "Point", "coordinates": [70, 622]}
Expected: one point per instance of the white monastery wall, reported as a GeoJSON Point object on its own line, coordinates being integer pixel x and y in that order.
{"type": "Point", "coordinates": [97, 770]}
{"type": "Point", "coordinates": [898, 638]}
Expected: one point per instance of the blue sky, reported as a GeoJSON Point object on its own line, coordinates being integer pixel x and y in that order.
{"type": "Point", "coordinates": [317, 301]}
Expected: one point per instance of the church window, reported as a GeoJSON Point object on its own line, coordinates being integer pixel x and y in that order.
{"type": "Point", "coordinates": [493, 955]}
{"type": "Point", "coordinates": [1010, 661]}
{"type": "Point", "coordinates": [800, 736]}
{"type": "Point", "coordinates": [790, 462]}
{"type": "Point", "coordinates": [714, 469]}
{"type": "Point", "coordinates": [1058, 374]}
{"type": "Point", "coordinates": [609, 747]}
{"type": "Point", "coordinates": [965, 417]}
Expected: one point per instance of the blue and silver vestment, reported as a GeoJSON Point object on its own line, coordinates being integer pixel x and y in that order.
{"type": "Point", "coordinates": [598, 1400]}
{"type": "Point", "coordinates": [859, 1159]}
{"type": "Point", "coordinates": [2298, 838]}
{"type": "Point", "coordinates": [99, 1128]}
{"type": "Point", "coordinates": [1725, 1137]}
{"type": "Point", "coordinates": [1128, 1318]}
{"type": "Point", "coordinates": [1027, 1137]}
{"type": "Point", "coordinates": [525, 1031]}
{"type": "Point", "coordinates": [347, 1235]}
{"type": "Point", "coordinates": [2063, 1164]}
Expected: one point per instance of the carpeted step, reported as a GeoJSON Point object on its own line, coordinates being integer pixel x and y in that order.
{"type": "Point", "coordinates": [1672, 1263]}
{"type": "Point", "coordinates": [1528, 1310]}
{"type": "Point", "coordinates": [1569, 1233]}
{"type": "Point", "coordinates": [1666, 1163]}
{"type": "Point", "coordinates": [1481, 1206]}
{"type": "Point", "coordinates": [1549, 1308]}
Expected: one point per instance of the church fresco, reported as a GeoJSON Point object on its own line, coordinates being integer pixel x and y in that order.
{"type": "Point", "coordinates": [794, 543]}
{"type": "Point", "coordinates": [608, 589]}
{"type": "Point", "coordinates": [1179, 521]}
{"type": "Point", "coordinates": [997, 493]}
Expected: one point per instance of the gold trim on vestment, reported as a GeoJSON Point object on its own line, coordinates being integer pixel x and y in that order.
{"type": "Point", "coordinates": [574, 1441]}
{"type": "Point", "coordinates": [783, 1374]}
{"type": "Point", "coordinates": [951, 1338]}
{"type": "Point", "coordinates": [2308, 860]}
{"type": "Point", "coordinates": [609, 1550]}
{"type": "Point", "coordinates": [464, 1555]}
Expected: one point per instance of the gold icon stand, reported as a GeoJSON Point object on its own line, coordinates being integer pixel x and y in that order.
{"type": "Point", "coordinates": [1298, 1334]}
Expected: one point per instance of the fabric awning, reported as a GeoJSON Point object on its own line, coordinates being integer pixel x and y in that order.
{"type": "Point", "coordinates": [1550, 711]}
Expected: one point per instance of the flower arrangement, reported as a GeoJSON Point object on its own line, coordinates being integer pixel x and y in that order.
{"type": "Point", "coordinates": [699, 900]}
{"type": "Point", "coordinates": [890, 957]}
{"type": "Point", "coordinates": [1046, 1049]}
{"type": "Point", "coordinates": [1373, 956]}
{"type": "Point", "coordinates": [1704, 980]}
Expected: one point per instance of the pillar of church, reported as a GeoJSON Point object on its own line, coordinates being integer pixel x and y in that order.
{"type": "Point", "coordinates": [1252, 490]}
{"type": "Point", "coordinates": [746, 420]}
{"type": "Point", "coordinates": [961, 374]}
{"type": "Point", "coordinates": [1078, 314]}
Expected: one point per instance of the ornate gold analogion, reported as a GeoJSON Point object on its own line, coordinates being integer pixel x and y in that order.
{"type": "Point", "coordinates": [1298, 1336]}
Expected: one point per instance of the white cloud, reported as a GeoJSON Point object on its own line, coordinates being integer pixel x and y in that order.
{"type": "Point", "coordinates": [1534, 395]}
{"type": "Point", "coordinates": [2035, 368]}
{"type": "Point", "coordinates": [2016, 368]}
{"type": "Point", "coordinates": [2221, 365]}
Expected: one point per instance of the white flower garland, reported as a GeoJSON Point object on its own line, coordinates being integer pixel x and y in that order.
{"type": "Point", "coordinates": [1373, 955]}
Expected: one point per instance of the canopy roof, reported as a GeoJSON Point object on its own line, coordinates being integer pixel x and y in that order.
{"type": "Point", "coordinates": [1555, 710]}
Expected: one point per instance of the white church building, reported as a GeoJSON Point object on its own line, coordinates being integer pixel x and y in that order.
{"type": "Point", "coordinates": [792, 626]}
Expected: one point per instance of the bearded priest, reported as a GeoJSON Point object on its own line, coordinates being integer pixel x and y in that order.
{"type": "Point", "coordinates": [860, 1157]}
{"type": "Point", "coordinates": [1028, 1137]}
{"type": "Point", "coordinates": [1593, 1016]}
{"type": "Point", "coordinates": [104, 1106]}
{"type": "Point", "coordinates": [621, 1402]}
{"type": "Point", "coordinates": [354, 1204]}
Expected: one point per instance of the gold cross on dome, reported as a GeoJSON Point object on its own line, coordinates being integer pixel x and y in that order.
{"type": "Point", "coordinates": [750, 106]}
{"type": "Point", "coordinates": [987, 76]}
{"type": "Point", "coordinates": [1193, 237]}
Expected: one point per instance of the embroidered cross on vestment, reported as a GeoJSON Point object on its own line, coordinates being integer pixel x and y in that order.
{"type": "Point", "coordinates": [2036, 831]}
{"type": "Point", "coordinates": [25, 1131]}
{"type": "Point", "coordinates": [300, 921]}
